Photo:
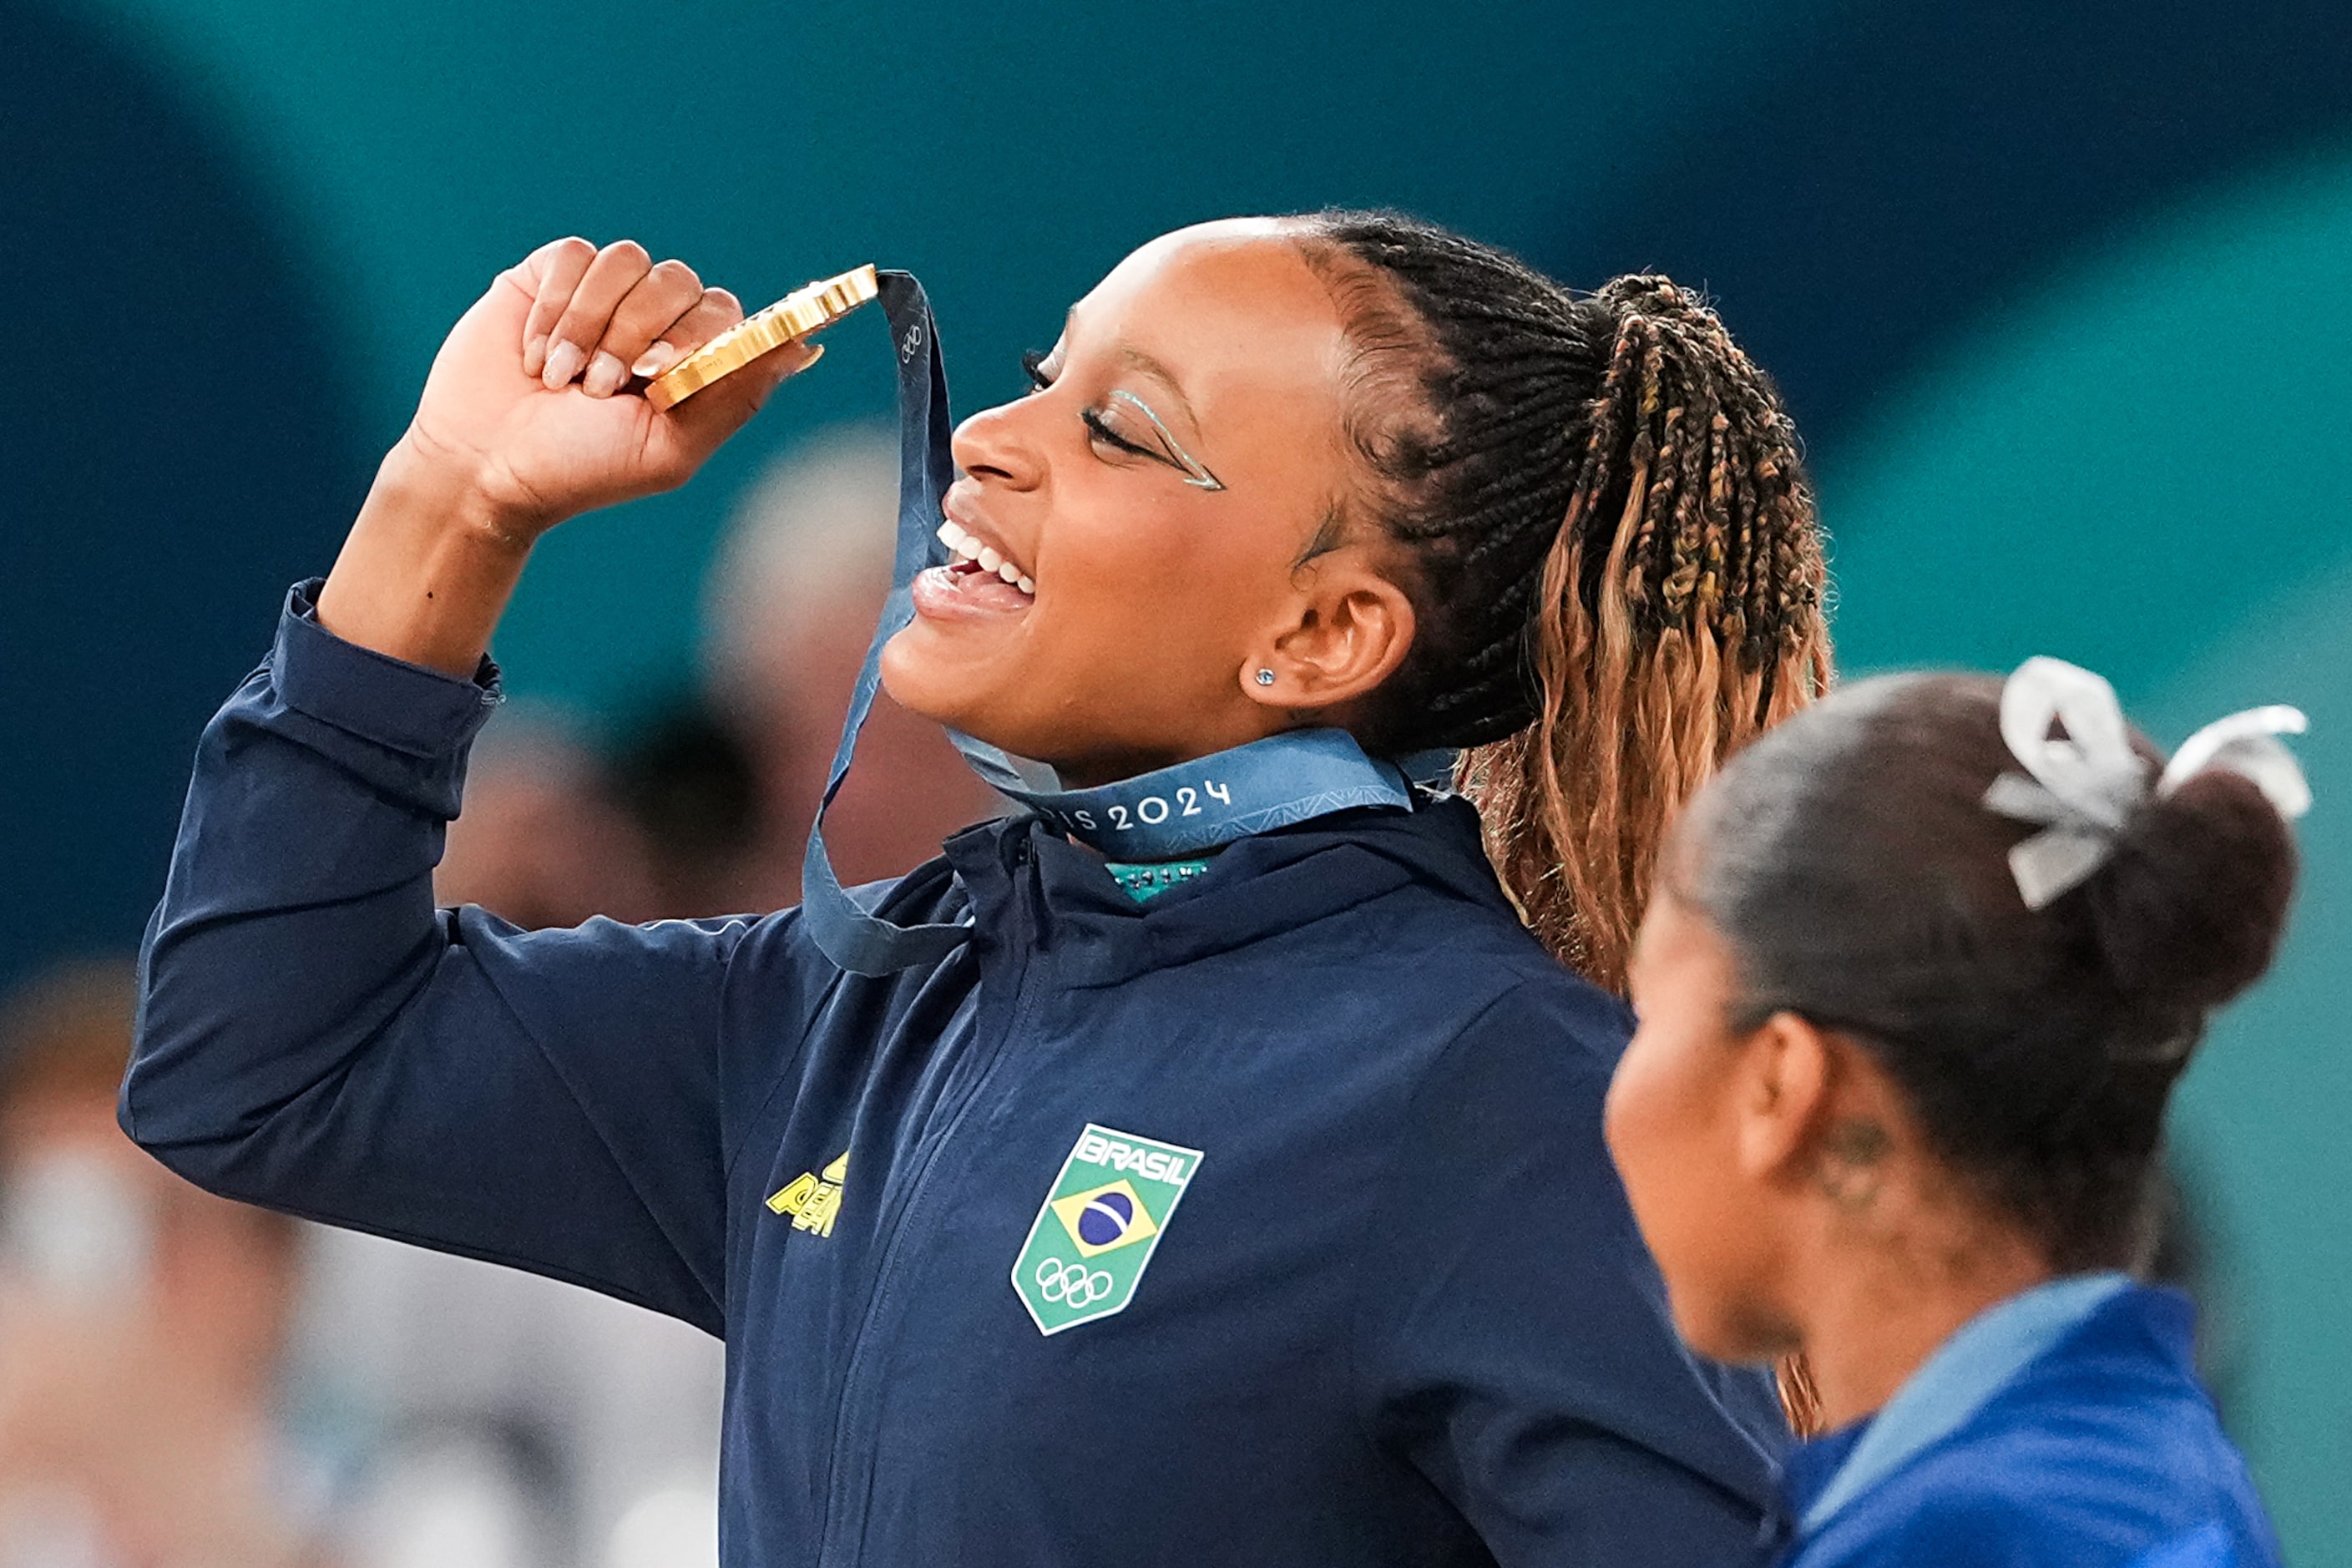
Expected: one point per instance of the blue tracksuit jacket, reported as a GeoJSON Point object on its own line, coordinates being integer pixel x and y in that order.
{"type": "Point", "coordinates": [1402, 1316]}
{"type": "Point", "coordinates": [2103, 1452]}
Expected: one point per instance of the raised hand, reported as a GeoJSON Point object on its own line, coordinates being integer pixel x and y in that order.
{"type": "Point", "coordinates": [533, 414]}
{"type": "Point", "coordinates": [529, 401]}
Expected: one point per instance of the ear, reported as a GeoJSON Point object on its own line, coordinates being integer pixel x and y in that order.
{"type": "Point", "coordinates": [1785, 1076]}
{"type": "Point", "coordinates": [1348, 629]}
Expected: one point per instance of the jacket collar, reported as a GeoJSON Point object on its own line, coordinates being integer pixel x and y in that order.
{"type": "Point", "coordinates": [2013, 1349]}
{"type": "Point", "coordinates": [1271, 883]}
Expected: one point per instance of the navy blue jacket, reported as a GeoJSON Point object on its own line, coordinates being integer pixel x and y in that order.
{"type": "Point", "coordinates": [1404, 1316]}
{"type": "Point", "coordinates": [2103, 1452]}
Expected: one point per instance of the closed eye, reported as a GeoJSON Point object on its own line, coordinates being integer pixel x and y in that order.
{"type": "Point", "coordinates": [1099, 427]}
{"type": "Point", "coordinates": [1102, 431]}
{"type": "Point", "coordinates": [1033, 365]}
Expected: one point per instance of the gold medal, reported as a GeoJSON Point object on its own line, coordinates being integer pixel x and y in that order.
{"type": "Point", "coordinates": [796, 315]}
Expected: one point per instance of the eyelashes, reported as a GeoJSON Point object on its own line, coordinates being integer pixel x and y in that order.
{"type": "Point", "coordinates": [1099, 428]}
{"type": "Point", "coordinates": [1033, 365]}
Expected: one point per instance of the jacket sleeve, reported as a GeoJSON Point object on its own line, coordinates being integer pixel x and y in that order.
{"type": "Point", "coordinates": [1515, 1345]}
{"type": "Point", "coordinates": [316, 1037]}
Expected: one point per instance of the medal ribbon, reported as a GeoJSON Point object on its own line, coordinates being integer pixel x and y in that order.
{"type": "Point", "coordinates": [1158, 815]}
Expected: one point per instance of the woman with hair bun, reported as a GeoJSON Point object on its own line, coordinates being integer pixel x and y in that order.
{"type": "Point", "coordinates": [1920, 970]}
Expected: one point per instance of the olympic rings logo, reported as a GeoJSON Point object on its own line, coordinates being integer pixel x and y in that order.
{"type": "Point", "coordinates": [1070, 1283]}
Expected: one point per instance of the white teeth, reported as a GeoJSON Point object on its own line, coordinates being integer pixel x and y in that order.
{"type": "Point", "coordinates": [987, 557]}
{"type": "Point", "coordinates": [959, 542]}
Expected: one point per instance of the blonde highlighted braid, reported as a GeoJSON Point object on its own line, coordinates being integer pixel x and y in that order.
{"type": "Point", "coordinates": [1614, 554]}
{"type": "Point", "coordinates": [1703, 626]}
{"type": "Point", "coordinates": [1616, 566]}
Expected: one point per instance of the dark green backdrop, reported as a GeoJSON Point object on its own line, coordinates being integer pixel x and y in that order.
{"type": "Point", "coordinates": [2059, 300]}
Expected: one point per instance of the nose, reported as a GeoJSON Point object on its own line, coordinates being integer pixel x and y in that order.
{"type": "Point", "coordinates": [996, 444]}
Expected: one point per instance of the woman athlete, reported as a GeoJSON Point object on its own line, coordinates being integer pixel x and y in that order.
{"type": "Point", "coordinates": [1923, 969]}
{"type": "Point", "coordinates": [1263, 1220]}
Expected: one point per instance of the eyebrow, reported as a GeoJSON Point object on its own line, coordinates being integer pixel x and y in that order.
{"type": "Point", "coordinates": [1134, 358]}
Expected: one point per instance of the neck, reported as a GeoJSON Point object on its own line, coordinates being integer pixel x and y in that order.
{"type": "Point", "coordinates": [1096, 769]}
{"type": "Point", "coordinates": [1109, 765]}
{"type": "Point", "coordinates": [1872, 1324]}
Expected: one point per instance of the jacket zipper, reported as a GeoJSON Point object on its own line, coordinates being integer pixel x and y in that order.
{"type": "Point", "coordinates": [836, 1526]}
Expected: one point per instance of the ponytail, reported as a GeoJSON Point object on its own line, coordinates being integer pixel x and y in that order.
{"type": "Point", "coordinates": [1616, 570]}
{"type": "Point", "coordinates": [1852, 863]}
{"type": "Point", "coordinates": [1619, 576]}
{"type": "Point", "coordinates": [1679, 614]}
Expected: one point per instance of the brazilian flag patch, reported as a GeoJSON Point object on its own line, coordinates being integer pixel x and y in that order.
{"type": "Point", "coordinates": [1097, 1228]}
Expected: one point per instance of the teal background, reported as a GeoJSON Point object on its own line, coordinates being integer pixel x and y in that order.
{"type": "Point", "coordinates": [2147, 468]}
{"type": "Point", "coordinates": [2058, 298]}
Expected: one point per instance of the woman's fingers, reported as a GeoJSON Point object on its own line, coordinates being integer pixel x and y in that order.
{"type": "Point", "coordinates": [551, 273]}
{"type": "Point", "coordinates": [662, 297]}
{"type": "Point", "coordinates": [720, 409]}
{"type": "Point", "coordinates": [603, 316]}
{"type": "Point", "coordinates": [709, 316]}
{"type": "Point", "coordinates": [617, 268]}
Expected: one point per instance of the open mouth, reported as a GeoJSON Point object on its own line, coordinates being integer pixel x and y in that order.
{"type": "Point", "coordinates": [974, 559]}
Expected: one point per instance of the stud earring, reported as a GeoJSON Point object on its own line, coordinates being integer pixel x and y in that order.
{"type": "Point", "coordinates": [1266, 677]}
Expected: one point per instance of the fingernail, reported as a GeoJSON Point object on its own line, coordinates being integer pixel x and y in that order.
{"type": "Point", "coordinates": [653, 362]}
{"type": "Point", "coordinates": [534, 355]}
{"type": "Point", "coordinates": [604, 375]}
{"type": "Point", "coordinates": [563, 364]}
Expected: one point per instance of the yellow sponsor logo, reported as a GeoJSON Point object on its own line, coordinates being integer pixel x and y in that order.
{"type": "Point", "coordinates": [812, 1200]}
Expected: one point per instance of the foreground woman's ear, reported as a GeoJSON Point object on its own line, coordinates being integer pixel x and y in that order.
{"type": "Point", "coordinates": [1350, 632]}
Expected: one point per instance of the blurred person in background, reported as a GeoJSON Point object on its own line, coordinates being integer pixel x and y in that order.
{"type": "Point", "coordinates": [541, 841]}
{"type": "Point", "coordinates": [688, 781]}
{"type": "Point", "coordinates": [142, 1322]}
{"type": "Point", "coordinates": [513, 1422]}
{"type": "Point", "coordinates": [789, 604]}
{"type": "Point", "coordinates": [189, 1383]}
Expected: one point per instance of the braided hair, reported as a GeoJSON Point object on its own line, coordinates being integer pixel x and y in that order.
{"type": "Point", "coordinates": [1615, 561]}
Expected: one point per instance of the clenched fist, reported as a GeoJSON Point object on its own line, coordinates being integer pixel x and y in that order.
{"type": "Point", "coordinates": [528, 399]}
{"type": "Point", "coordinates": [533, 414]}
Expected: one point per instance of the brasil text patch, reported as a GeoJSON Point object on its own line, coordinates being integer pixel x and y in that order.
{"type": "Point", "coordinates": [1099, 1226]}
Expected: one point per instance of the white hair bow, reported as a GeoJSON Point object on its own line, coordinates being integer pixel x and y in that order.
{"type": "Point", "coordinates": [2083, 787]}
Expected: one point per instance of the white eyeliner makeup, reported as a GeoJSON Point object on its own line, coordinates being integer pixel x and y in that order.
{"type": "Point", "coordinates": [1198, 476]}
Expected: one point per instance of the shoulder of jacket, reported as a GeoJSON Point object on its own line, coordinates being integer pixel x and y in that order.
{"type": "Point", "coordinates": [1541, 1034]}
{"type": "Point", "coordinates": [2018, 1482]}
{"type": "Point", "coordinates": [1538, 987]}
{"type": "Point", "coordinates": [1929, 1522]}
